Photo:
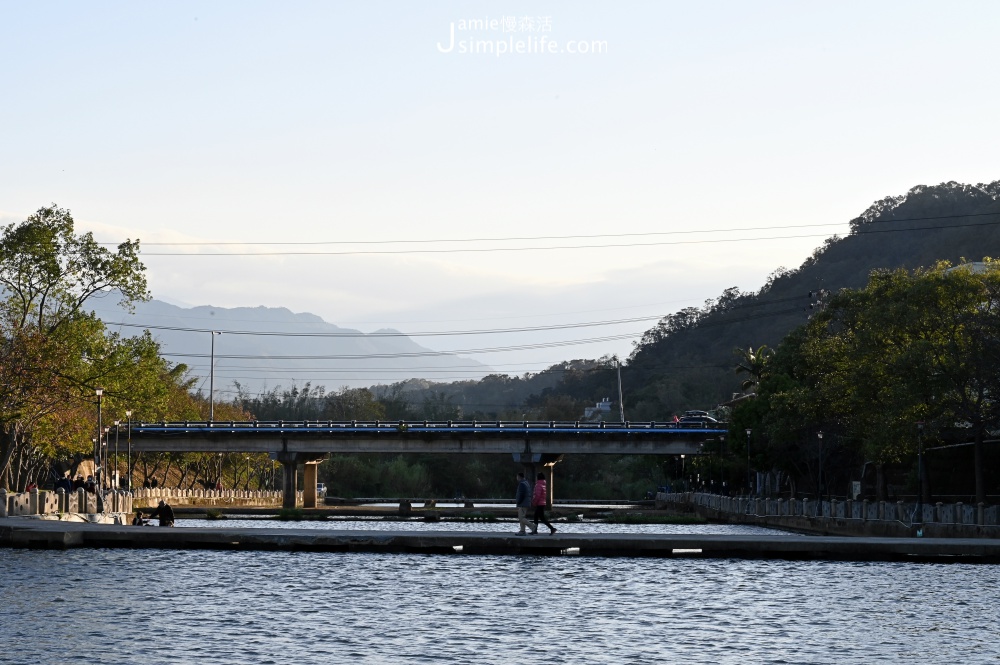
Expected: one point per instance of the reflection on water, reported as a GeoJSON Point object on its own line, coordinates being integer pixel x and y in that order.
{"type": "Point", "coordinates": [150, 606]}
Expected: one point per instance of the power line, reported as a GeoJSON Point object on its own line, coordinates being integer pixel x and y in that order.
{"type": "Point", "coordinates": [202, 243]}
{"type": "Point", "coordinates": [415, 354]}
{"type": "Point", "coordinates": [384, 323]}
{"type": "Point", "coordinates": [346, 335]}
{"type": "Point", "coordinates": [469, 368]}
{"type": "Point", "coordinates": [600, 246]}
{"type": "Point", "coordinates": [484, 331]}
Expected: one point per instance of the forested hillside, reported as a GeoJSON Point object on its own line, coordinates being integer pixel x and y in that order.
{"type": "Point", "coordinates": [687, 360]}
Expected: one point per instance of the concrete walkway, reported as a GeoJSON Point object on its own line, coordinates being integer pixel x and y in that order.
{"type": "Point", "coordinates": [41, 534]}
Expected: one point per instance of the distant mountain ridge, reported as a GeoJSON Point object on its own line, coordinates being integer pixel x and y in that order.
{"type": "Point", "coordinates": [253, 351]}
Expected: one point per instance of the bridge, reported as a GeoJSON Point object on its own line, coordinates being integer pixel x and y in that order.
{"type": "Point", "coordinates": [309, 442]}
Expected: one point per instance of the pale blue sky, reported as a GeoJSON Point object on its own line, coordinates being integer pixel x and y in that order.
{"type": "Point", "coordinates": [299, 121]}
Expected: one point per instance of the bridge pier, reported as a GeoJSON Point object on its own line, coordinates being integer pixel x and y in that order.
{"type": "Point", "coordinates": [290, 478]}
{"type": "Point", "coordinates": [289, 482]}
{"type": "Point", "coordinates": [309, 476]}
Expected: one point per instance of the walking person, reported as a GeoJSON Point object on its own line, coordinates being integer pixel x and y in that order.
{"type": "Point", "coordinates": [539, 500]}
{"type": "Point", "coordinates": [522, 499]}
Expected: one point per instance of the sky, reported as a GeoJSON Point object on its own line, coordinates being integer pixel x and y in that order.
{"type": "Point", "coordinates": [484, 165]}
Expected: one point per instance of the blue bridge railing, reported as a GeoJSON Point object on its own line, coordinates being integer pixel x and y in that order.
{"type": "Point", "coordinates": [333, 427]}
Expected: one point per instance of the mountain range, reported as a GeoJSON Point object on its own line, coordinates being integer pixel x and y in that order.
{"type": "Point", "coordinates": [262, 348]}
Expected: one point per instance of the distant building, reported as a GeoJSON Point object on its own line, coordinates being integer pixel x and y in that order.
{"type": "Point", "coordinates": [597, 411]}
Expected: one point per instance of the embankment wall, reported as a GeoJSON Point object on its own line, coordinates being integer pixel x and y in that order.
{"type": "Point", "coordinates": [843, 518]}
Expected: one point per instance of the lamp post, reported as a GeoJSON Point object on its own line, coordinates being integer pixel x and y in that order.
{"type": "Point", "coordinates": [117, 479]}
{"type": "Point", "coordinates": [100, 425]}
{"type": "Point", "coordinates": [819, 488]}
{"type": "Point", "coordinates": [920, 473]}
{"type": "Point", "coordinates": [211, 381]}
{"type": "Point", "coordinates": [104, 482]}
{"type": "Point", "coordinates": [749, 431]}
{"type": "Point", "coordinates": [248, 472]}
{"type": "Point", "coordinates": [128, 461]}
{"type": "Point", "coordinates": [621, 404]}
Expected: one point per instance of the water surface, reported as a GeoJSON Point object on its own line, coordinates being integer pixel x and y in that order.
{"type": "Point", "coordinates": [176, 607]}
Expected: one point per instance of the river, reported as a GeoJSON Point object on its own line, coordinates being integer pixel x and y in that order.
{"type": "Point", "coordinates": [174, 607]}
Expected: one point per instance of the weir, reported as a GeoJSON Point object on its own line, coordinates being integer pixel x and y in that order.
{"type": "Point", "coordinates": [307, 443]}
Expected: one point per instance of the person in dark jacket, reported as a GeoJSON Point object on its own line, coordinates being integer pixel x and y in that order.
{"type": "Point", "coordinates": [522, 499]}
{"type": "Point", "coordinates": [164, 512]}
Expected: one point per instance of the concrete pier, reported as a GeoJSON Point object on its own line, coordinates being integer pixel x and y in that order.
{"type": "Point", "coordinates": [40, 534]}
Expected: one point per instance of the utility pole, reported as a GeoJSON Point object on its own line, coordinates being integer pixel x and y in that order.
{"type": "Point", "coordinates": [211, 381]}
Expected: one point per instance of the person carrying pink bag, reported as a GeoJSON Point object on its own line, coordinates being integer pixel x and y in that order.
{"type": "Point", "coordinates": [538, 500]}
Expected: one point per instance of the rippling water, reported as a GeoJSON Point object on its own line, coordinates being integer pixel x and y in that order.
{"type": "Point", "coordinates": [504, 526]}
{"type": "Point", "coordinates": [123, 606]}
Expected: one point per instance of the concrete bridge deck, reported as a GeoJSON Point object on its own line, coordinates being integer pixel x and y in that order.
{"type": "Point", "coordinates": [41, 534]}
{"type": "Point", "coordinates": [306, 443]}
{"type": "Point", "coordinates": [517, 437]}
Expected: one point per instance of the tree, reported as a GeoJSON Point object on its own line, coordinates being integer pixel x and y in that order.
{"type": "Point", "coordinates": [52, 351]}
{"type": "Point", "coordinates": [753, 363]}
{"type": "Point", "coordinates": [49, 273]}
{"type": "Point", "coordinates": [921, 346]}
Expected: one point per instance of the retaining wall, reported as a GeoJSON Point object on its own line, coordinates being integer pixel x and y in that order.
{"type": "Point", "coordinates": [46, 502]}
{"type": "Point", "coordinates": [862, 518]}
{"type": "Point", "coordinates": [146, 497]}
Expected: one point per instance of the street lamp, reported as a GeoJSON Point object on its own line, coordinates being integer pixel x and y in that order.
{"type": "Point", "coordinates": [117, 479]}
{"type": "Point", "coordinates": [211, 381]}
{"type": "Point", "coordinates": [104, 482]}
{"type": "Point", "coordinates": [749, 431]}
{"type": "Point", "coordinates": [621, 404]}
{"type": "Point", "coordinates": [920, 473]}
{"type": "Point", "coordinates": [128, 414]}
{"type": "Point", "coordinates": [248, 472]}
{"type": "Point", "coordinates": [100, 426]}
{"type": "Point", "coordinates": [819, 508]}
